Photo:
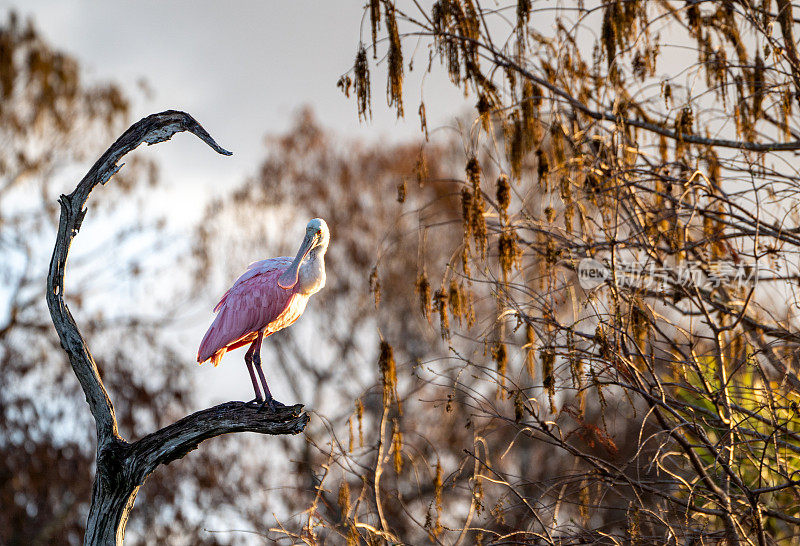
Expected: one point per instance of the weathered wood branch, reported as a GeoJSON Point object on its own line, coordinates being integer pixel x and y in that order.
{"type": "Point", "coordinates": [152, 129]}
{"type": "Point", "coordinates": [122, 467]}
{"type": "Point", "coordinates": [176, 440]}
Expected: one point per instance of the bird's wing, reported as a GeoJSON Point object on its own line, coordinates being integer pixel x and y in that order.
{"type": "Point", "coordinates": [251, 304]}
{"type": "Point", "coordinates": [256, 268]}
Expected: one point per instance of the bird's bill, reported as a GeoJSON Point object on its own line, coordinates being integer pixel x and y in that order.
{"type": "Point", "coordinates": [289, 277]}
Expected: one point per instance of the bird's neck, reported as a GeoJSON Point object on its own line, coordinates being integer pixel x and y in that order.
{"type": "Point", "coordinates": [311, 277]}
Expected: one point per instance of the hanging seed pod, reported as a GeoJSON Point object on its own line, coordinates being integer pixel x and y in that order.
{"type": "Point", "coordinates": [388, 369]}
{"type": "Point", "coordinates": [345, 83]}
{"type": "Point", "coordinates": [423, 290]}
{"type": "Point", "coordinates": [375, 285]}
{"type": "Point", "coordinates": [576, 369]}
{"type": "Point", "coordinates": [530, 357]}
{"type": "Point", "coordinates": [484, 108]}
{"type": "Point", "coordinates": [569, 215]}
{"type": "Point", "coordinates": [515, 138]}
{"type": "Point", "coordinates": [758, 86]}
{"type": "Point", "coordinates": [440, 16]}
{"type": "Point", "coordinates": [548, 358]}
{"type": "Point", "coordinates": [708, 232]}
{"type": "Point", "coordinates": [737, 117]}
{"type": "Point", "coordinates": [401, 191]}
{"type": "Point", "coordinates": [375, 23]}
{"type": "Point", "coordinates": [344, 498]}
{"type": "Point", "coordinates": [465, 258]}
{"type": "Point", "coordinates": [603, 346]}
{"type": "Point", "coordinates": [394, 87]}
{"type": "Point", "coordinates": [531, 97]}
{"type": "Point", "coordinates": [508, 251]}
{"type": "Point", "coordinates": [361, 84]}
{"type": "Point", "coordinates": [450, 45]}
{"type": "Point", "coordinates": [609, 32]}
{"type": "Point", "coordinates": [523, 14]}
{"type": "Point", "coordinates": [352, 439]}
{"type": "Point", "coordinates": [600, 395]}
{"type": "Point", "coordinates": [397, 447]}
{"type": "Point", "coordinates": [786, 112]}
{"type": "Point", "coordinates": [470, 311]}
{"type": "Point", "coordinates": [440, 298]}
{"type": "Point", "coordinates": [474, 172]}
{"type": "Point", "coordinates": [531, 100]}
{"type": "Point", "coordinates": [500, 357]}
{"type": "Point", "coordinates": [663, 151]}
{"type": "Point", "coordinates": [477, 225]}
{"type": "Point", "coordinates": [469, 25]}
{"type": "Point", "coordinates": [519, 407]}
{"type": "Point", "coordinates": [454, 300]}
{"type": "Point", "coordinates": [640, 325]}
{"type": "Point", "coordinates": [423, 120]}
{"type": "Point", "coordinates": [685, 122]}
{"type": "Point", "coordinates": [543, 166]}
{"type": "Point", "coordinates": [737, 349]}
{"type": "Point", "coordinates": [466, 213]}
{"type": "Point", "coordinates": [584, 502]}
{"type": "Point", "coordinates": [360, 416]}
{"type": "Point", "coordinates": [503, 194]}
{"type": "Point", "coordinates": [565, 189]}
{"type": "Point", "coordinates": [552, 252]}
{"type": "Point", "coordinates": [421, 169]}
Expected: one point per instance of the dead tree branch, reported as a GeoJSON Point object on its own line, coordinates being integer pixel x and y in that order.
{"type": "Point", "coordinates": [122, 467]}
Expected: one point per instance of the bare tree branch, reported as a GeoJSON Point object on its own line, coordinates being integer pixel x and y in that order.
{"type": "Point", "coordinates": [123, 467]}
{"type": "Point", "coordinates": [176, 440]}
{"type": "Point", "coordinates": [152, 129]}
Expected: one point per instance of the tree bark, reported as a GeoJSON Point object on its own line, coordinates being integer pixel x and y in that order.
{"type": "Point", "coordinates": [122, 467]}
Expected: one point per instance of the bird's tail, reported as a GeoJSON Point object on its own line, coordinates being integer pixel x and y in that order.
{"type": "Point", "coordinates": [209, 347]}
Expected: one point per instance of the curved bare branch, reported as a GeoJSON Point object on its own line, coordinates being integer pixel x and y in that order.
{"type": "Point", "coordinates": [152, 129]}
{"type": "Point", "coordinates": [176, 440]}
{"type": "Point", "coordinates": [122, 467]}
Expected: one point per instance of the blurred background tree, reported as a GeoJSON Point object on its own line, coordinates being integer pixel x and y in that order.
{"type": "Point", "coordinates": [51, 125]}
{"type": "Point", "coordinates": [467, 389]}
{"type": "Point", "coordinates": [658, 407]}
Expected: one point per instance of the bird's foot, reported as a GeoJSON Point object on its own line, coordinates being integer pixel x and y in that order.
{"type": "Point", "coordinates": [255, 402]}
{"type": "Point", "coordinates": [271, 404]}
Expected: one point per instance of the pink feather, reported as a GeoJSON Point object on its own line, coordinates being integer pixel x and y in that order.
{"type": "Point", "coordinates": [254, 303]}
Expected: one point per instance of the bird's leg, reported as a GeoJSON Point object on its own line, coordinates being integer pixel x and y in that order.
{"type": "Point", "coordinates": [248, 359]}
{"type": "Point", "coordinates": [269, 401]}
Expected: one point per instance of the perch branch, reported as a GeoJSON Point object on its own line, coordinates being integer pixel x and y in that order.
{"type": "Point", "coordinates": [122, 467]}
{"type": "Point", "coordinates": [176, 440]}
{"type": "Point", "coordinates": [152, 129]}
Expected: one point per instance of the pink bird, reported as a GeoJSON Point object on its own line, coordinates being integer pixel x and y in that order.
{"type": "Point", "coordinates": [268, 297]}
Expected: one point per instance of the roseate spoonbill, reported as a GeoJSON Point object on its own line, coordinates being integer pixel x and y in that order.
{"type": "Point", "coordinates": [268, 297]}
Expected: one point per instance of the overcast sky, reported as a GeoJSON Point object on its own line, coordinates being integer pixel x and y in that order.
{"type": "Point", "coordinates": [241, 68]}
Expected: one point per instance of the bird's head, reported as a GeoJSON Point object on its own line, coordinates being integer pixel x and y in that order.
{"type": "Point", "coordinates": [317, 238]}
{"type": "Point", "coordinates": [319, 233]}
